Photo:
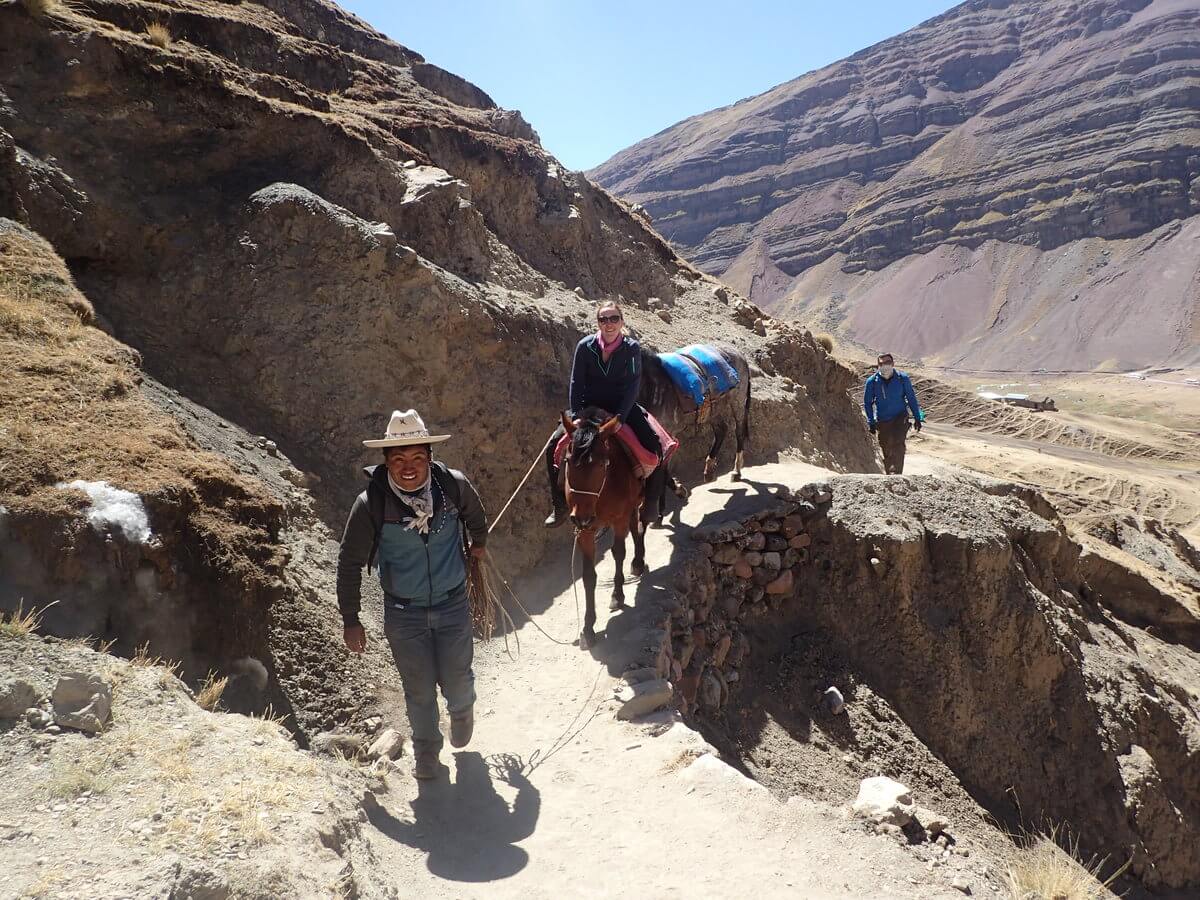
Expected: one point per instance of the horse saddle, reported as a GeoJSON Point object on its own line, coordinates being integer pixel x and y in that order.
{"type": "Point", "coordinates": [700, 375]}
{"type": "Point", "coordinates": [644, 461]}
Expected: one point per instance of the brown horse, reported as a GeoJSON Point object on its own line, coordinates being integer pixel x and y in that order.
{"type": "Point", "coordinates": [602, 489]}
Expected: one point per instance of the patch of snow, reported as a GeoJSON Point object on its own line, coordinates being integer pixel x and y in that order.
{"type": "Point", "coordinates": [116, 507]}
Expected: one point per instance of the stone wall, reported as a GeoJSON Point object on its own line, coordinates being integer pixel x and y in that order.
{"type": "Point", "coordinates": [742, 571]}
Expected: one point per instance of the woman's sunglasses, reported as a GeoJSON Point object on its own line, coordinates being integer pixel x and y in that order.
{"type": "Point", "coordinates": [607, 320]}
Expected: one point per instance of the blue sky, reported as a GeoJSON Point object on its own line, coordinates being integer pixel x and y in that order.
{"type": "Point", "coordinates": [593, 78]}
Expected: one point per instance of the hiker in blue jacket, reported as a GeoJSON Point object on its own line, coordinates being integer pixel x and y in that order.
{"type": "Point", "coordinates": [888, 398]}
{"type": "Point", "coordinates": [606, 373]}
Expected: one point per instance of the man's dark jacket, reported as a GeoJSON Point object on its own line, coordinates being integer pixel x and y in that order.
{"type": "Point", "coordinates": [360, 540]}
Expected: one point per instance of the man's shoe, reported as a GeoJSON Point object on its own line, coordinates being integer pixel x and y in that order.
{"type": "Point", "coordinates": [557, 518]}
{"type": "Point", "coordinates": [428, 766]}
{"type": "Point", "coordinates": [462, 725]}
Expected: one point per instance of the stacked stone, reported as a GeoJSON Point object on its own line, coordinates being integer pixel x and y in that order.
{"type": "Point", "coordinates": [743, 569]}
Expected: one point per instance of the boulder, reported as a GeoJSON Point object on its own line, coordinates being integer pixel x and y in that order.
{"type": "Point", "coordinates": [16, 696]}
{"type": "Point", "coordinates": [82, 701]}
{"type": "Point", "coordinates": [642, 698]}
{"type": "Point", "coordinates": [880, 799]}
{"type": "Point", "coordinates": [743, 569]}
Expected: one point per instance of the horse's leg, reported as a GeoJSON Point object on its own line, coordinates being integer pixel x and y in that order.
{"type": "Point", "coordinates": [618, 552]}
{"type": "Point", "coordinates": [638, 566]}
{"type": "Point", "coordinates": [587, 549]}
{"type": "Point", "coordinates": [743, 432]}
{"type": "Point", "coordinates": [710, 464]}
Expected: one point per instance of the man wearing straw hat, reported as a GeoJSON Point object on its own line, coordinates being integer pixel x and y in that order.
{"type": "Point", "coordinates": [409, 523]}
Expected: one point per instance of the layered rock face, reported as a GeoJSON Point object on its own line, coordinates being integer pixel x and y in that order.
{"type": "Point", "coordinates": [302, 225]}
{"type": "Point", "coordinates": [1025, 122]}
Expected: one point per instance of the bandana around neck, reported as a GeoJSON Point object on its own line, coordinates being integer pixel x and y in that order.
{"type": "Point", "coordinates": [609, 348]}
{"type": "Point", "coordinates": [420, 501]}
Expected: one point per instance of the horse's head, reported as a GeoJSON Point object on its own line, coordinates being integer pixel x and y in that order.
{"type": "Point", "coordinates": [587, 463]}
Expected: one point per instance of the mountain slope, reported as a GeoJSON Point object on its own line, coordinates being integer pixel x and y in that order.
{"type": "Point", "coordinates": [1032, 122]}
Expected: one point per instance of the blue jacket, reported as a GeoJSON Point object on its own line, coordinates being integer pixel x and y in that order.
{"type": "Point", "coordinates": [425, 570]}
{"type": "Point", "coordinates": [612, 386]}
{"type": "Point", "coordinates": [884, 399]}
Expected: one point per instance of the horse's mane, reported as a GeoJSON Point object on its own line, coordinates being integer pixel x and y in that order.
{"type": "Point", "coordinates": [587, 435]}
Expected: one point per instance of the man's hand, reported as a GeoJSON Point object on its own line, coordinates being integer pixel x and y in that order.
{"type": "Point", "coordinates": [355, 637]}
{"type": "Point", "coordinates": [871, 427]}
{"type": "Point", "coordinates": [479, 552]}
{"type": "Point", "coordinates": [917, 424]}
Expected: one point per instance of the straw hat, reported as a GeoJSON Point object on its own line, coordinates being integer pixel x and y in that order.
{"type": "Point", "coordinates": [406, 429]}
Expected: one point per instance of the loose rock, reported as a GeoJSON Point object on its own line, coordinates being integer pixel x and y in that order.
{"type": "Point", "coordinates": [643, 698]}
{"type": "Point", "coordinates": [16, 696]}
{"type": "Point", "coordinates": [881, 799]}
{"type": "Point", "coordinates": [834, 701]}
{"type": "Point", "coordinates": [389, 745]}
{"type": "Point", "coordinates": [82, 701]}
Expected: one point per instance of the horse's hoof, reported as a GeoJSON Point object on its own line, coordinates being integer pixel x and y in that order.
{"type": "Point", "coordinates": [616, 603]}
{"type": "Point", "coordinates": [737, 476]}
{"type": "Point", "coordinates": [638, 569]}
{"type": "Point", "coordinates": [586, 641]}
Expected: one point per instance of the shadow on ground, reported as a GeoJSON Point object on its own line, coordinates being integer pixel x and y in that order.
{"type": "Point", "coordinates": [467, 829]}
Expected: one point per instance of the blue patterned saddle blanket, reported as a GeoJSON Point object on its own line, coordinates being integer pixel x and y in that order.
{"type": "Point", "coordinates": [699, 372]}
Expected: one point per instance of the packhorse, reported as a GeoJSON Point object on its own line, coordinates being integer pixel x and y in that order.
{"type": "Point", "coordinates": [661, 396]}
{"type": "Point", "coordinates": [602, 489]}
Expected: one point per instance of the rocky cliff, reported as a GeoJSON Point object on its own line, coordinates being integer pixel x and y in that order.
{"type": "Point", "coordinates": [302, 225]}
{"type": "Point", "coordinates": [1025, 122]}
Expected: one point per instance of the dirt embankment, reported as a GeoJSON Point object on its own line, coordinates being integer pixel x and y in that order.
{"type": "Point", "coordinates": [192, 802]}
{"type": "Point", "coordinates": [112, 520]}
{"type": "Point", "coordinates": [961, 615]}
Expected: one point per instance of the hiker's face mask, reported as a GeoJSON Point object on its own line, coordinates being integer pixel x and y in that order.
{"type": "Point", "coordinates": [886, 371]}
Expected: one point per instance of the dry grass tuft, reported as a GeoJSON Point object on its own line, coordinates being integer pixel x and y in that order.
{"type": "Point", "coordinates": [70, 778]}
{"type": "Point", "coordinates": [158, 34]}
{"type": "Point", "coordinates": [143, 660]}
{"type": "Point", "coordinates": [826, 341]}
{"type": "Point", "coordinates": [1042, 868]}
{"type": "Point", "coordinates": [20, 623]}
{"type": "Point", "coordinates": [209, 695]}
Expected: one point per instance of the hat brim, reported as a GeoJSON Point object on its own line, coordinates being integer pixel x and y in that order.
{"type": "Point", "coordinates": [407, 442]}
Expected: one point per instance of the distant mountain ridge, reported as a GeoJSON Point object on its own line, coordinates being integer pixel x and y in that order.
{"type": "Point", "coordinates": [1027, 122]}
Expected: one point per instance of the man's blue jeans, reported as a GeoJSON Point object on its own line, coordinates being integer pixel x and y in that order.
{"type": "Point", "coordinates": [432, 646]}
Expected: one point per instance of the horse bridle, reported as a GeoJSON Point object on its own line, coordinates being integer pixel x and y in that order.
{"type": "Point", "coordinates": [567, 479]}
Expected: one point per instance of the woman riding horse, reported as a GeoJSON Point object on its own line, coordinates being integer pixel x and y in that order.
{"type": "Point", "coordinates": [606, 373]}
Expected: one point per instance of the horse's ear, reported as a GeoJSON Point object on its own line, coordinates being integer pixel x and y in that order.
{"type": "Point", "coordinates": [611, 426]}
{"type": "Point", "coordinates": [568, 424]}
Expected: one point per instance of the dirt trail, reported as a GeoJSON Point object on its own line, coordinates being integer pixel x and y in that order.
{"type": "Point", "coordinates": [554, 797]}
{"type": "Point", "coordinates": [1079, 480]}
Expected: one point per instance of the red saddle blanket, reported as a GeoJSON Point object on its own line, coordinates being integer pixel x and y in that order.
{"type": "Point", "coordinates": [644, 462]}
